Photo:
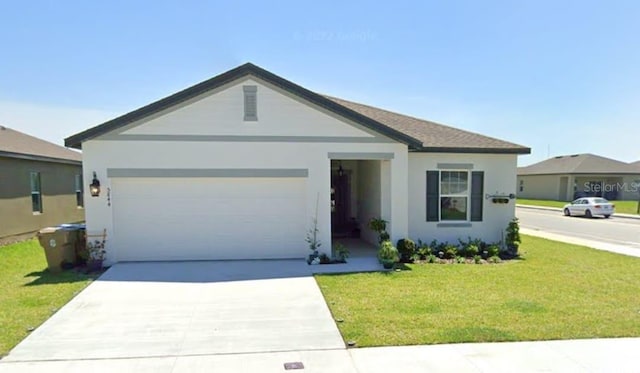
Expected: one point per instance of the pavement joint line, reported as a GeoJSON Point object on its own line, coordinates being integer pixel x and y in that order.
{"type": "Point", "coordinates": [171, 356]}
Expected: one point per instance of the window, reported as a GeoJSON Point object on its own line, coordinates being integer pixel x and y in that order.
{"type": "Point", "coordinates": [79, 191]}
{"type": "Point", "coordinates": [250, 102]}
{"type": "Point", "coordinates": [455, 195]}
{"type": "Point", "coordinates": [36, 193]}
{"type": "Point", "coordinates": [521, 185]}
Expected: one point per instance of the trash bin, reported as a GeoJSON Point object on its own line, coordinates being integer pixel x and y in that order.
{"type": "Point", "coordinates": [59, 244]}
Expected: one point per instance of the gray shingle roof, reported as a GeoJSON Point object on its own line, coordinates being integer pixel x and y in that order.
{"type": "Point", "coordinates": [434, 136]}
{"type": "Point", "coordinates": [418, 134]}
{"type": "Point", "coordinates": [578, 164]}
{"type": "Point", "coordinates": [635, 165]}
{"type": "Point", "coordinates": [20, 145]}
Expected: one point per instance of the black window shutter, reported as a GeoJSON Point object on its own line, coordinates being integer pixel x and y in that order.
{"type": "Point", "coordinates": [433, 195]}
{"type": "Point", "coordinates": [477, 195]}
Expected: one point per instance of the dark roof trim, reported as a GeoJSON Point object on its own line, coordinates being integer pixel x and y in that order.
{"type": "Point", "coordinates": [76, 140]}
{"type": "Point", "coordinates": [39, 158]}
{"type": "Point", "coordinates": [433, 149]}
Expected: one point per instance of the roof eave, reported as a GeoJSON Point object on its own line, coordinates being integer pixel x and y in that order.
{"type": "Point", "coordinates": [469, 150]}
{"type": "Point", "coordinates": [40, 158]}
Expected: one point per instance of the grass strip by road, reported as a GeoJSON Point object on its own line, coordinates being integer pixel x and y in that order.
{"type": "Point", "coordinates": [30, 294]}
{"type": "Point", "coordinates": [622, 207]}
{"type": "Point", "coordinates": [558, 291]}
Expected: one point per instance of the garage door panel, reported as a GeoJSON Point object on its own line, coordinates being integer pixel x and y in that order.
{"type": "Point", "coordinates": [209, 218]}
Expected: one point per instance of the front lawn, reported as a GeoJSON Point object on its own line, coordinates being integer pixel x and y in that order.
{"type": "Point", "coordinates": [558, 291]}
{"type": "Point", "coordinates": [623, 207]}
{"type": "Point", "coordinates": [30, 294]}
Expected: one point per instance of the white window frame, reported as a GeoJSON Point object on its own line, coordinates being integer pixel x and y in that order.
{"type": "Point", "coordinates": [35, 192]}
{"type": "Point", "coordinates": [466, 195]}
{"type": "Point", "coordinates": [79, 190]}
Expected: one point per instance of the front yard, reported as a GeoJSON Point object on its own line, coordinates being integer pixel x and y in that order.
{"type": "Point", "coordinates": [622, 207]}
{"type": "Point", "coordinates": [558, 291]}
{"type": "Point", "coordinates": [30, 294]}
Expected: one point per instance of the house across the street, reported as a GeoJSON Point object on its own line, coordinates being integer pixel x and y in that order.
{"type": "Point", "coordinates": [567, 177]}
{"type": "Point", "coordinates": [40, 184]}
{"type": "Point", "coordinates": [241, 165]}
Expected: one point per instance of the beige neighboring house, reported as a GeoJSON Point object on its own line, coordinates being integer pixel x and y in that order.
{"type": "Point", "coordinates": [40, 184]}
{"type": "Point", "coordinates": [566, 177]}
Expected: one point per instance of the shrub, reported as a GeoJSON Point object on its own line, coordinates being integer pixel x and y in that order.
{"type": "Point", "coordinates": [471, 250]}
{"type": "Point", "coordinates": [431, 258]}
{"type": "Point", "coordinates": [324, 259]}
{"type": "Point", "coordinates": [450, 251]}
{"type": "Point", "coordinates": [477, 259]}
{"type": "Point", "coordinates": [342, 253]}
{"type": "Point", "coordinates": [387, 254]}
{"type": "Point", "coordinates": [495, 259]}
{"type": "Point", "coordinates": [460, 260]}
{"type": "Point", "coordinates": [423, 251]}
{"type": "Point", "coordinates": [406, 249]}
{"type": "Point", "coordinates": [493, 250]}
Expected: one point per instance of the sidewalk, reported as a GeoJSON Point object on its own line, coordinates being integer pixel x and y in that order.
{"type": "Point", "coordinates": [617, 215]}
{"type": "Point", "coordinates": [587, 355]}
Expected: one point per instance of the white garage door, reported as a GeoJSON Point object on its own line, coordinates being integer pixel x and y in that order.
{"type": "Point", "coordinates": [208, 218]}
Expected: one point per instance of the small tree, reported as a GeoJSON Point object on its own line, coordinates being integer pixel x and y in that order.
{"type": "Point", "coordinates": [513, 237]}
{"type": "Point", "coordinates": [312, 235]}
{"type": "Point", "coordinates": [379, 226]}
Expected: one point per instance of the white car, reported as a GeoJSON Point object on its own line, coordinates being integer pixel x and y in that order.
{"type": "Point", "coordinates": [589, 206]}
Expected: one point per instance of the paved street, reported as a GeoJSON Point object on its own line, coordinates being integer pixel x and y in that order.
{"type": "Point", "coordinates": [619, 231]}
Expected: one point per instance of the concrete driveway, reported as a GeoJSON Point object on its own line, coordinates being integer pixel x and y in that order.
{"type": "Point", "coordinates": [141, 310]}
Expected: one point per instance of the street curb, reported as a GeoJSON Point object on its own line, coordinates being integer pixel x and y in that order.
{"type": "Point", "coordinates": [532, 207]}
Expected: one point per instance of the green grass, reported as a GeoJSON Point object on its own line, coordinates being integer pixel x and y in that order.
{"type": "Point", "coordinates": [623, 207]}
{"type": "Point", "coordinates": [30, 294]}
{"type": "Point", "coordinates": [558, 291]}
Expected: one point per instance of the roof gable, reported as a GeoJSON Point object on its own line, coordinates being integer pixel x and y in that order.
{"type": "Point", "coordinates": [419, 135]}
{"type": "Point", "coordinates": [217, 115]}
{"type": "Point", "coordinates": [577, 164]}
{"type": "Point", "coordinates": [16, 144]}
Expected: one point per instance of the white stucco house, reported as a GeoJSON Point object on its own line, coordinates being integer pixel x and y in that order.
{"type": "Point", "coordinates": [238, 166]}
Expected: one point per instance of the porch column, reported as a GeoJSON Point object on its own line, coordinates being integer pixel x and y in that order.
{"type": "Point", "coordinates": [397, 201]}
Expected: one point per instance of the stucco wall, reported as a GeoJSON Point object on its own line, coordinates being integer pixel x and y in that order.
{"type": "Point", "coordinates": [540, 187]}
{"type": "Point", "coordinates": [499, 178]}
{"type": "Point", "coordinates": [58, 195]}
{"type": "Point", "coordinates": [210, 133]}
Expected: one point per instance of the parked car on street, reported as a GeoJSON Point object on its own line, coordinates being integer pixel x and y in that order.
{"type": "Point", "coordinates": [589, 206]}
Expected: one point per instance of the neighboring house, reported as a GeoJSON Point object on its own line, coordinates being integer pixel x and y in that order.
{"type": "Point", "coordinates": [238, 167]}
{"type": "Point", "coordinates": [636, 166]}
{"type": "Point", "coordinates": [567, 177]}
{"type": "Point", "coordinates": [40, 184]}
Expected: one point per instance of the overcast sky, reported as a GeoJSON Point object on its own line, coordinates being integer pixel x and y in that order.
{"type": "Point", "coordinates": [561, 77]}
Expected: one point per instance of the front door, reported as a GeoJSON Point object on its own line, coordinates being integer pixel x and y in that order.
{"type": "Point", "coordinates": [340, 203]}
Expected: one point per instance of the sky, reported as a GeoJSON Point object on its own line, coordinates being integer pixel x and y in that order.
{"type": "Point", "coordinates": [561, 77]}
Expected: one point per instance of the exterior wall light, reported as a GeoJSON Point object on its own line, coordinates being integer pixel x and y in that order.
{"type": "Point", "coordinates": [94, 187]}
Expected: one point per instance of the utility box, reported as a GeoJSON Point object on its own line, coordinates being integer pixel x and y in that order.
{"type": "Point", "coordinates": [59, 244]}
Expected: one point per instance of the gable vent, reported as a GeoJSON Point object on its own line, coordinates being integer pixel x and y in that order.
{"type": "Point", "coordinates": [250, 102]}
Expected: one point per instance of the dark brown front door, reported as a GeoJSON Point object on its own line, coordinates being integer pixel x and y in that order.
{"type": "Point", "coordinates": [340, 204]}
